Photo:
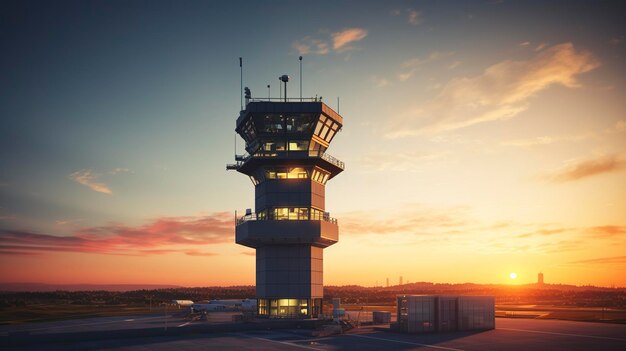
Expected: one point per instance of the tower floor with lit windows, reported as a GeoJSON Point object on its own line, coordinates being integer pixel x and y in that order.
{"type": "Point", "coordinates": [289, 228]}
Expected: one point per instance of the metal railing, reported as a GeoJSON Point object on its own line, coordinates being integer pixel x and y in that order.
{"type": "Point", "coordinates": [241, 159]}
{"type": "Point", "coordinates": [332, 160]}
{"type": "Point", "coordinates": [254, 217]}
{"type": "Point", "coordinates": [282, 99]}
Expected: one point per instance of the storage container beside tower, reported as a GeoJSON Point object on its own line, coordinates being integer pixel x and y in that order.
{"type": "Point", "coordinates": [431, 313]}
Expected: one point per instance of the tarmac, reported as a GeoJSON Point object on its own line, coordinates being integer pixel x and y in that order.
{"type": "Point", "coordinates": [219, 333]}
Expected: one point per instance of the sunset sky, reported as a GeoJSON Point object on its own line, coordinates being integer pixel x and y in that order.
{"type": "Point", "coordinates": [480, 138]}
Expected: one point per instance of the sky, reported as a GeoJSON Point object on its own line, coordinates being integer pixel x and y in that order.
{"type": "Point", "coordinates": [480, 138]}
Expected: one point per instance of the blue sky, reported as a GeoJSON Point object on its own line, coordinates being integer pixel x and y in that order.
{"type": "Point", "coordinates": [123, 112]}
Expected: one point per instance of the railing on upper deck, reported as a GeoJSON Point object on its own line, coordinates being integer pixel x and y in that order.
{"type": "Point", "coordinates": [241, 159]}
{"type": "Point", "coordinates": [282, 99]}
{"type": "Point", "coordinates": [311, 217]}
{"type": "Point", "coordinates": [331, 159]}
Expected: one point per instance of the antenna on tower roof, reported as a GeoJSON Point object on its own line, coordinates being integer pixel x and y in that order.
{"type": "Point", "coordinates": [300, 58]}
{"type": "Point", "coordinates": [241, 81]}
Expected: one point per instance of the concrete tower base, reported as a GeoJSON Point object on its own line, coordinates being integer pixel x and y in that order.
{"type": "Point", "coordinates": [289, 280]}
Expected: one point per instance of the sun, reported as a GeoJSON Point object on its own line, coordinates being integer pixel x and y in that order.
{"type": "Point", "coordinates": [513, 275]}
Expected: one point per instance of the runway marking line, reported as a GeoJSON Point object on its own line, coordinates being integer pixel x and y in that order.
{"type": "Point", "coordinates": [286, 343]}
{"type": "Point", "coordinates": [563, 334]}
{"type": "Point", "coordinates": [184, 324]}
{"type": "Point", "coordinates": [406, 342]}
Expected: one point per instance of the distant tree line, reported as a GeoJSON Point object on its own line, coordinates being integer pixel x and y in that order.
{"type": "Point", "coordinates": [352, 294]}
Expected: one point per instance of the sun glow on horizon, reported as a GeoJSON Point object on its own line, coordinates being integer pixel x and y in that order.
{"type": "Point", "coordinates": [513, 275]}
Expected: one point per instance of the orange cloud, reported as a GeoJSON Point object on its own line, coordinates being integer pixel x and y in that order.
{"type": "Point", "coordinates": [543, 232]}
{"type": "Point", "coordinates": [415, 17]}
{"type": "Point", "coordinates": [340, 42]}
{"type": "Point", "coordinates": [603, 260]}
{"type": "Point", "coordinates": [412, 220]}
{"type": "Point", "coordinates": [347, 36]}
{"type": "Point", "coordinates": [576, 170]}
{"type": "Point", "coordinates": [161, 236]}
{"type": "Point", "coordinates": [412, 65]}
{"type": "Point", "coordinates": [309, 45]}
{"type": "Point", "coordinates": [89, 179]}
{"type": "Point", "coordinates": [398, 161]}
{"type": "Point", "coordinates": [502, 91]}
{"type": "Point", "coordinates": [607, 231]}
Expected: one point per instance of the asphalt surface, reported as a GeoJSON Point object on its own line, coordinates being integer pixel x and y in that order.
{"type": "Point", "coordinates": [510, 334]}
{"type": "Point", "coordinates": [114, 323]}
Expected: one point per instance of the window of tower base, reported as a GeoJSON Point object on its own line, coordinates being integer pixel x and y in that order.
{"type": "Point", "coordinates": [289, 308]}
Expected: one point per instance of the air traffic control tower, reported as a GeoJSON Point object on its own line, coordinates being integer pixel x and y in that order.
{"type": "Point", "coordinates": [286, 142]}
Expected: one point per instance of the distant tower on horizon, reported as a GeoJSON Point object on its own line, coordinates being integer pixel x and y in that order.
{"type": "Point", "coordinates": [540, 278]}
{"type": "Point", "coordinates": [400, 281]}
{"type": "Point", "coordinates": [286, 160]}
{"type": "Point", "coordinates": [387, 282]}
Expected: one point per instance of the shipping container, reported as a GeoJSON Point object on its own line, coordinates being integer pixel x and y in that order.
{"type": "Point", "coordinates": [429, 313]}
{"type": "Point", "coordinates": [447, 313]}
{"type": "Point", "coordinates": [476, 312]}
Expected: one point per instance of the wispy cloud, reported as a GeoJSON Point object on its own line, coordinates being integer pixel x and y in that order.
{"type": "Point", "coordinates": [546, 140]}
{"type": "Point", "coordinates": [580, 169]}
{"type": "Point", "coordinates": [199, 253]}
{"type": "Point", "coordinates": [619, 127]}
{"type": "Point", "coordinates": [342, 39]}
{"type": "Point", "coordinates": [90, 179]}
{"type": "Point", "coordinates": [616, 40]}
{"type": "Point", "coordinates": [339, 42]}
{"type": "Point", "coordinates": [380, 82]}
{"type": "Point", "coordinates": [415, 17]}
{"type": "Point", "coordinates": [502, 91]}
{"type": "Point", "coordinates": [68, 221]}
{"type": "Point", "coordinates": [119, 170]}
{"type": "Point", "coordinates": [454, 65]}
{"type": "Point", "coordinates": [414, 223]}
{"type": "Point", "coordinates": [607, 231]}
{"type": "Point", "coordinates": [160, 236]}
{"type": "Point", "coordinates": [603, 260]}
{"type": "Point", "coordinates": [399, 162]}
{"type": "Point", "coordinates": [411, 219]}
{"type": "Point", "coordinates": [411, 66]}
{"type": "Point", "coordinates": [543, 232]}
{"type": "Point", "coordinates": [309, 45]}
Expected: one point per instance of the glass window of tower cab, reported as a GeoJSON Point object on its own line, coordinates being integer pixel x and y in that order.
{"type": "Point", "coordinates": [286, 144]}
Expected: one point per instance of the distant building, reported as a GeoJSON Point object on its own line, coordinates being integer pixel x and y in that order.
{"type": "Point", "coordinates": [540, 279]}
{"type": "Point", "coordinates": [387, 282]}
{"type": "Point", "coordinates": [400, 281]}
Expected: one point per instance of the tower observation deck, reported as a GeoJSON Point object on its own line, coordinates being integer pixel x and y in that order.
{"type": "Point", "coordinates": [286, 142]}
